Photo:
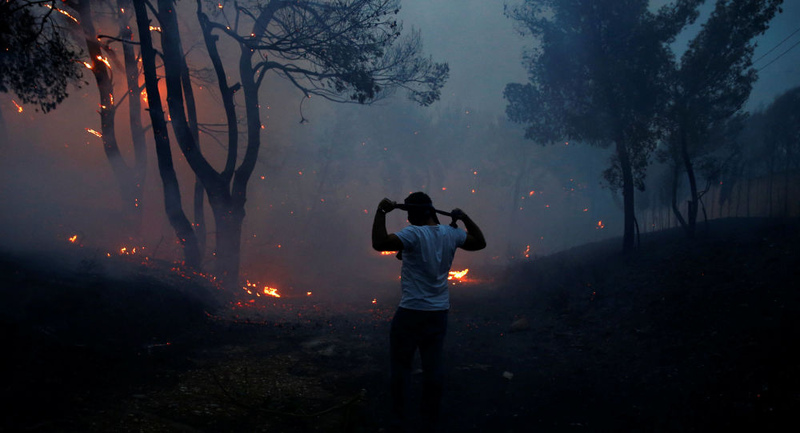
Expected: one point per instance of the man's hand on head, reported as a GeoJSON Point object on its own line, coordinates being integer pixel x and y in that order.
{"type": "Point", "coordinates": [387, 205]}
{"type": "Point", "coordinates": [457, 214]}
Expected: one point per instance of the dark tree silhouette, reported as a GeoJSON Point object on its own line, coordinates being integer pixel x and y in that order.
{"type": "Point", "coordinates": [37, 59]}
{"type": "Point", "coordinates": [782, 133]}
{"type": "Point", "coordinates": [344, 51]}
{"type": "Point", "coordinates": [710, 85]}
{"type": "Point", "coordinates": [598, 77]}
{"type": "Point", "coordinates": [172, 194]}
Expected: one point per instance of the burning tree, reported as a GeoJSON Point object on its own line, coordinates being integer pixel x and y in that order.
{"type": "Point", "coordinates": [342, 50]}
{"type": "Point", "coordinates": [130, 177]}
{"type": "Point", "coordinates": [598, 77]}
{"type": "Point", "coordinates": [710, 85]}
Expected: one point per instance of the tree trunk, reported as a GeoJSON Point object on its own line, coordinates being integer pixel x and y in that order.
{"type": "Point", "coordinates": [199, 190]}
{"type": "Point", "coordinates": [102, 75]}
{"type": "Point", "coordinates": [693, 200]}
{"type": "Point", "coordinates": [172, 195]}
{"type": "Point", "coordinates": [627, 196]}
{"type": "Point", "coordinates": [786, 180]}
{"type": "Point", "coordinates": [134, 116]}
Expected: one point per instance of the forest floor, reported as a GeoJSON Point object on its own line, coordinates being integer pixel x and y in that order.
{"type": "Point", "coordinates": [678, 337]}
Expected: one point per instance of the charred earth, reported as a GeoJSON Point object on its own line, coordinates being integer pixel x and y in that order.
{"type": "Point", "coordinates": [679, 336]}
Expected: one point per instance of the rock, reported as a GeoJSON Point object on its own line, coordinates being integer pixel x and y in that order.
{"type": "Point", "coordinates": [520, 325]}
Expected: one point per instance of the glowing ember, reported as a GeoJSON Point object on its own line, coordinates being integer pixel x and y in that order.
{"type": "Point", "coordinates": [104, 60]}
{"type": "Point", "coordinates": [600, 225]}
{"type": "Point", "coordinates": [457, 275]}
{"type": "Point", "coordinates": [73, 238]}
{"type": "Point", "coordinates": [93, 132]}
{"type": "Point", "coordinates": [388, 253]}
{"type": "Point", "coordinates": [88, 65]}
{"type": "Point", "coordinates": [527, 252]}
{"type": "Point", "coordinates": [252, 288]}
{"type": "Point", "coordinates": [127, 252]}
{"type": "Point", "coordinates": [308, 293]}
{"type": "Point", "coordinates": [374, 300]}
{"type": "Point", "coordinates": [19, 108]}
{"type": "Point", "coordinates": [62, 12]}
{"type": "Point", "coordinates": [155, 28]}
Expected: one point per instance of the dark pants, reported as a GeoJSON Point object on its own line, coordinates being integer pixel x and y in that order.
{"type": "Point", "coordinates": [423, 330]}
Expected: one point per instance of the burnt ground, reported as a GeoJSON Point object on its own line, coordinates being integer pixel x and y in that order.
{"type": "Point", "coordinates": [679, 337]}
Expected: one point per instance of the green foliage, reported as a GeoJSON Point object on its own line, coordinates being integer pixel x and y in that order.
{"type": "Point", "coordinates": [37, 61]}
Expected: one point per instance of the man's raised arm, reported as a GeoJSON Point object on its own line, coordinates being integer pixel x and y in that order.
{"type": "Point", "coordinates": [475, 240]}
{"type": "Point", "coordinates": [381, 239]}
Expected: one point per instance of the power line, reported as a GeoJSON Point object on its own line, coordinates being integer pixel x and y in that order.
{"type": "Point", "coordinates": [776, 46]}
{"type": "Point", "coordinates": [779, 56]}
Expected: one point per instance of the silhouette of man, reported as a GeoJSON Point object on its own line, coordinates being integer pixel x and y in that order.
{"type": "Point", "coordinates": [420, 322]}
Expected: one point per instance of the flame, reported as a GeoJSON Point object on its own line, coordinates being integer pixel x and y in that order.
{"type": "Point", "coordinates": [127, 252]}
{"type": "Point", "coordinates": [93, 132]}
{"type": "Point", "coordinates": [374, 300]}
{"type": "Point", "coordinates": [457, 275]}
{"type": "Point", "coordinates": [267, 290]}
{"type": "Point", "coordinates": [73, 238]}
{"type": "Point", "coordinates": [600, 225]}
{"type": "Point", "coordinates": [62, 12]}
{"type": "Point", "coordinates": [527, 252]}
{"type": "Point", "coordinates": [19, 107]}
{"type": "Point", "coordinates": [155, 28]}
{"type": "Point", "coordinates": [388, 253]}
{"type": "Point", "coordinates": [104, 60]}
{"type": "Point", "coordinates": [88, 65]}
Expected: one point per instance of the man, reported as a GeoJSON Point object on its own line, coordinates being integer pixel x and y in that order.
{"type": "Point", "coordinates": [427, 250]}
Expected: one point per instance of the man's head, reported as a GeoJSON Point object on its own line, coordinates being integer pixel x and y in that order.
{"type": "Point", "coordinates": [422, 209]}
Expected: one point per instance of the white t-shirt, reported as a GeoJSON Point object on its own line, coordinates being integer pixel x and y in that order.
{"type": "Point", "coordinates": [427, 256]}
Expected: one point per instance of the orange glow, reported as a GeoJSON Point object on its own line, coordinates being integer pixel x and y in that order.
{"type": "Point", "coordinates": [125, 251]}
{"type": "Point", "coordinates": [308, 293]}
{"type": "Point", "coordinates": [600, 225]}
{"type": "Point", "coordinates": [267, 290]}
{"type": "Point", "coordinates": [73, 238]}
{"type": "Point", "coordinates": [375, 300]}
{"type": "Point", "coordinates": [104, 60]}
{"type": "Point", "coordinates": [530, 194]}
{"type": "Point", "coordinates": [93, 132]}
{"type": "Point", "coordinates": [19, 107]}
{"type": "Point", "coordinates": [88, 65]}
{"type": "Point", "coordinates": [527, 252]}
{"type": "Point", "coordinates": [388, 253]}
{"type": "Point", "coordinates": [155, 28]}
{"type": "Point", "coordinates": [62, 12]}
{"type": "Point", "coordinates": [457, 275]}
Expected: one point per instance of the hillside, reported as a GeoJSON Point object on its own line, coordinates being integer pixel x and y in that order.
{"type": "Point", "coordinates": [680, 336]}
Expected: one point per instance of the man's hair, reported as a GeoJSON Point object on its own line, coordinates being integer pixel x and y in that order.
{"type": "Point", "coordinates": [422, 210]}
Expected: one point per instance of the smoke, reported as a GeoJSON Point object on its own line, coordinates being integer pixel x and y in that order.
{"type": "Point", "coordinates": [312, 196]}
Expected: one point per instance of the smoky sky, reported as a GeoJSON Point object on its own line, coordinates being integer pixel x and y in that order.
{"type": "Point", "coordinates": [311, 198]}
